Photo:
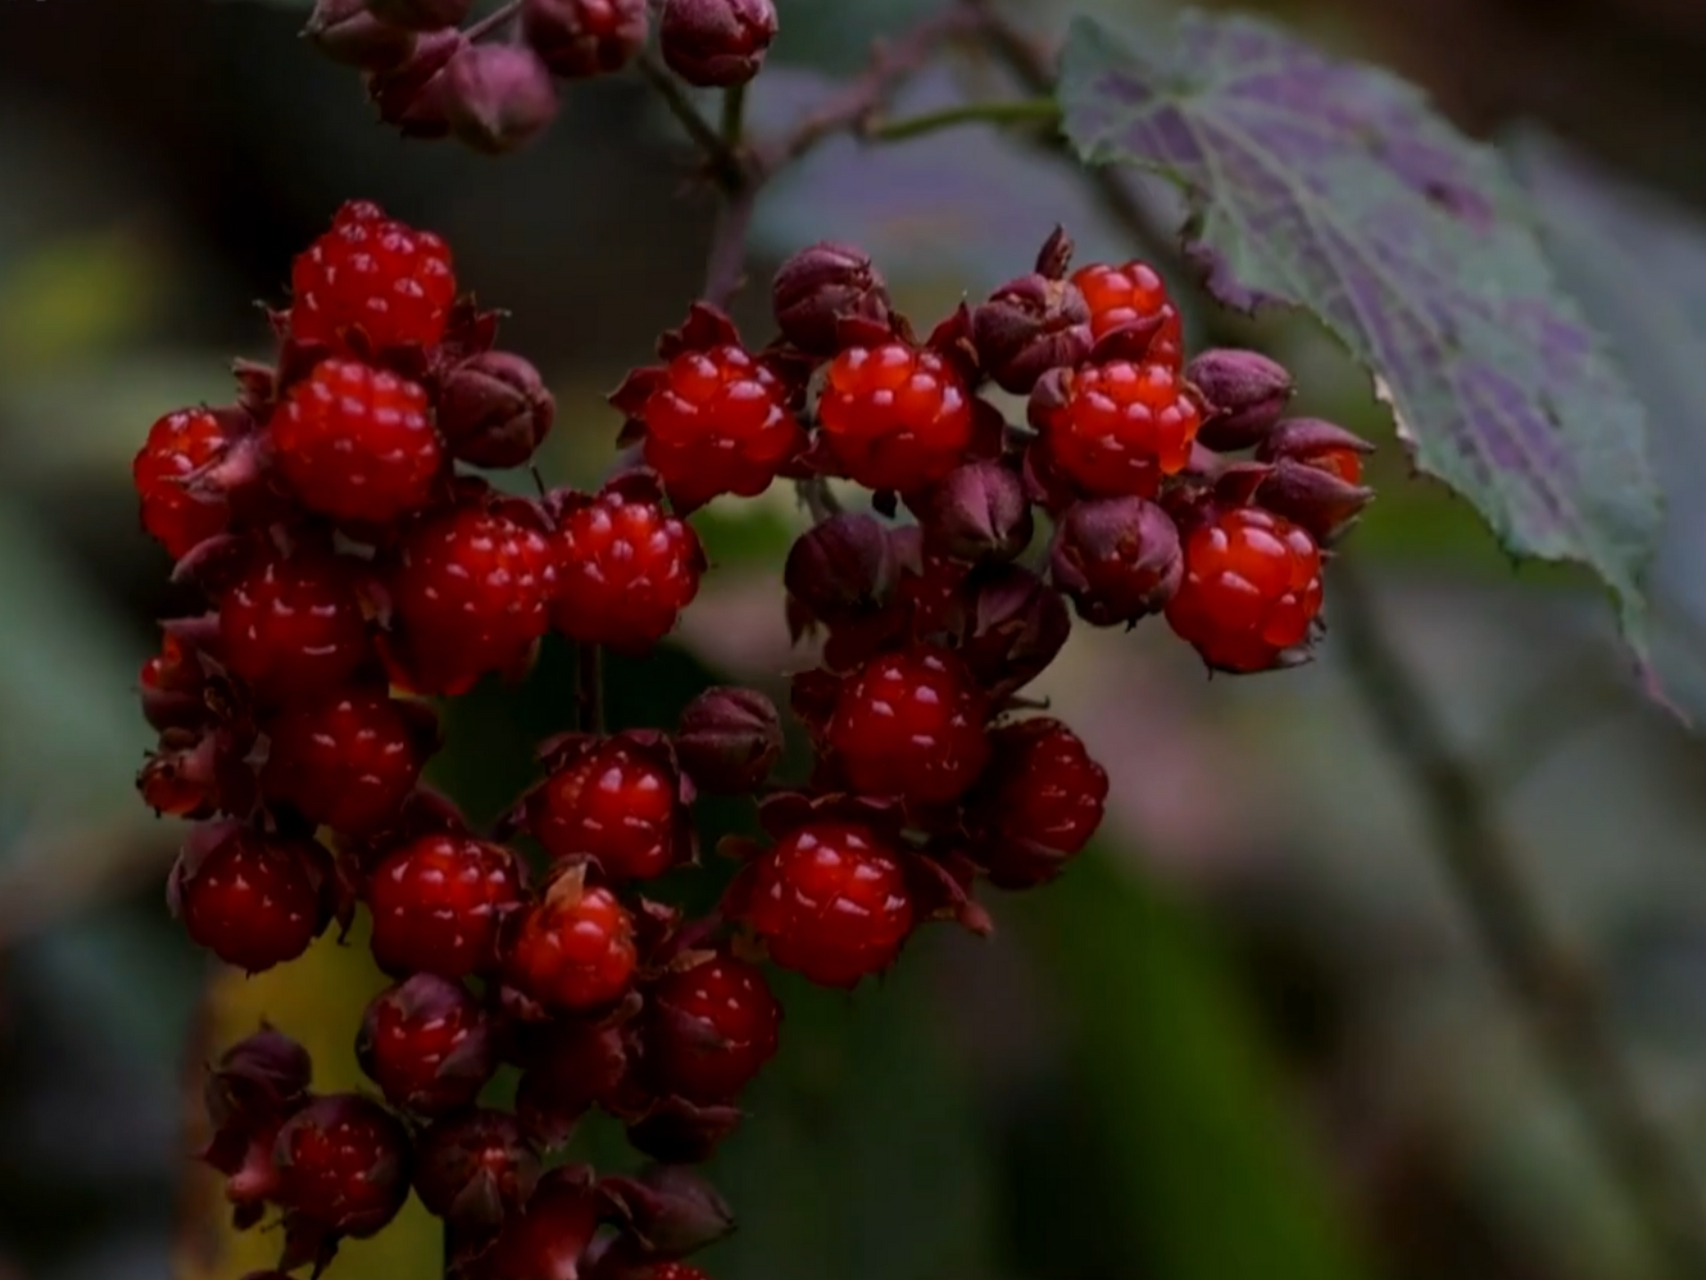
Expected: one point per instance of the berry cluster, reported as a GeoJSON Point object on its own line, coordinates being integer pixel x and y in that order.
{"type": "Point", "coordinates": [356, 569]}
{"type": "Point", "coordinates": [431, 77]}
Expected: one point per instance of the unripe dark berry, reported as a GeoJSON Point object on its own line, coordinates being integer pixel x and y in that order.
{"type": "Point", "coordinates": [373, 280]}
{"type": "Point", "coordinates": [293, 626]}
{"type": "Point", "coordinates": [421, 15]}
{"type": "Point", "coordinates": [979, 512]}
{"type": "Point", "coordinates": [1251, 590]}
{"type": "Point", "coordinates": [842, 570]}
{"type": "Point", "coordinates": [173, 686]}
{"type": "Point", "coordinates": [709, 1029]}
{"type": "Point", "coordinates": [569, 1067]}
{"type": "Point", "coordinates": [357, 443]}
{"type": "Point", "coordinates": [1029, 326]}
{"type": "Point", "coordinates": [669, 1210]}
{"type": "Point", "coordinates": [262, 1078]}
{"type": "Point", "coordinates": [498, 97]}
{"type": "Point", "coordinates": [411, 96]}
{"type": "Point", "coordinates": [343, 1164]}
{"type": "Point", "coordinates": [346, 31]}
{"type": "Point", "coordinates": [1133, 294]}
{"type": "Point", "coordinates": [1114, 430]}
{"type": "Point", "coordinates": [626, 569]}
{"type": "Point", "coordinates": [822, 287]}
{"type": "Point", "coordinates": [910, 724]}
{"type": "Point", "coordinates": [178, 444]}
{"type": "Point", "coordinates": [1325, 446]}
{"type": "Point", "coordinates": [895, 416]}
{"type": "Point", "coordinates": [728, 740]}
{"type": "Point", "coordinates": [476, 1168]}
{"type": "Point", "coordinates": [494, 410]}
{"type": "Point", "coordinates": [438, 902]}
{"type": "Point", "coordinates": [616, 805]}
{"type": "Point", "coordinates": [581, 38]}
{"type": "Point", "coordinates": [250, 898]}
{"type": "Point", "coordinates": [1118, 558]}
{"type": "Point", "coordinates": [831, 902]}
{"type": "Point", "coordinates": [1245, 394]}
{"type": "Point", "coordinates": [1037, 805]}
{"type": "Point", "coordinates": [574, 950]}
{"type": "Point", "coordinates": [346, 760]}
{"type": "Point", "coordinates": [547, 1241]}
{"type": "Point", "coordinates": [716, 43]}
{"type": "Point", "coordinates": [428, 1043]}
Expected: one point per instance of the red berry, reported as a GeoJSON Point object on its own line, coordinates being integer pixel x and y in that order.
{"type": "Point", "coordinates": [1037, 805]}
{"type": "Point", "coordinates": [1120, 296]}
{"type": "Point", "coordinates": [831, 901]}
{"type": "Point", "coordinates": [173, 686]}
{"type": "Point", "coordinates": [574, 949]}
{"type": "Point", "coordinates": [428, 1044]}
{"type": "Point", "coordinates": [343, 1164]}
{"type": "Point", "coordinates": [581, 38]}
{"type": "Point", "coordinates": [357, 443]}
{"type": "Point", "coordinates": [615, 805]}
{"type": "Point", "coordinates": [1122, 427]}
{"type": "Point", "coordinates": [345, 761]}
{"type": "Point", "coordinates": [716, 42]}
{"type": "Point", "coordinates": [1252, 588]}
{"type": "Point", "coordinates": [894, 416]}
{"type": "Point", "coordinates": [470, 593]}
{"type": "Point", "coordinates": [719, 422]}
{"type": "Point", "coordinates": [437, 904]}
{"type": "Point", "coordinates": [625, 571]}
{"type": "Point", "coordinates": [250, 898]}
{"type": "Point", "coordinates": [1344, 463]}
{"type": "Point", "coordinates": [293, 626]}
{"type": "Point", "coordinates": [178, 444]}
{"type": "Point", "coordinates": [677, 1271]}
{"type": "Point", "coordinates": [374, 276]}
{"type": "Point", "coordinates": [476, 1168]}
{"type": "Point", "coordinates": [910, 724]}
{"type": "Point", "coordinates": [709, 1030]}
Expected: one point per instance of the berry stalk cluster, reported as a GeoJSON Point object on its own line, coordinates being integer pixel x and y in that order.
{"type": "Point", "coordinates": [357, 569]}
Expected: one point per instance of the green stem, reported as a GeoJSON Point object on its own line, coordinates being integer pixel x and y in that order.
{"type": "Point", "coordinates": [1019, 111]}
{"type": "Point", "coordinates": [734, 117]}
{"type": "Point", "coordinates": [725, 164]}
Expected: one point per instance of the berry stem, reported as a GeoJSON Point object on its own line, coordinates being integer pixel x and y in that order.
{"type": "Point", "coordinates": [1549, 980]}
{"type": "Point", "coordinates": [818, 499]}
{"type": "Point", "coordinates": [589, 669]}
{"type": "Point", "coordinates": [492, 21]}
{"type": "Point", "coordinates": [726, 167]}
{"type": "Point", "coordinates": [1020, 111]}
{"type": "Point", "coordinates": [734, 117]}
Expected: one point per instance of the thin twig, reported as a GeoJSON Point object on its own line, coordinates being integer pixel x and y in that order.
{"type": "Point", "coordinates": [726, 263]}
{"type": "Point", "coordinates": [492, 21]}
{"type": "Point", "coordinates": [1018, 111]}
{"type": "Point", "coordinates": [1551, 983]}
{"type": "Point", "coordinates": [726, 167]}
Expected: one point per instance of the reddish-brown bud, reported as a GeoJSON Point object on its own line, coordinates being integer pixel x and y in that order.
{"type": "Point", "coordinates": [1307, 438]}
{"type": "Point", "coordinates": [494, 410]}
{"type": "Point", "coordinates": [729, 739]}
{"type": "Point", "coordinates": [548, 1239]}
{"type": "Point", "coordinates": [1318, 500]}
{"type": "Point", "coordinates": [475, 1169]}
{"type": "Point", "coordinates": [581, 38]}
{"type": "Point", "coordinates": [978, 513]}
{"type": "Point", "coordinates": [841, 570]}
{"type": "Point", "coordinates": [1119, 559]}
{"type": "Point", "coordinates": [421, 15]}
{"type": "Point", "coordinates": [428, 1043]}
{"type": "Point", "coordinates": [822, 287]}
{"type": "Point", "coordinates": [411, 96]}
{"type": "Point", "coordinates": [347, 32]}
{"type": "Point", "coordinates": [343, 1163]}
{"type": "Point", "coordinates": [716, 43]}
{"type": "Point", "coordinates": [1246, 392]}
{"type": "Point", "coordinates": [263, 1077]}
{"type": "Point", "coordinates": [498, 97]}
{"type": "Point", "coordinates": [669, 1211]}
{"type": "Point", "coordinates": [1016, 625]}
{"type": "Point", "coordinates": [1029, 326]}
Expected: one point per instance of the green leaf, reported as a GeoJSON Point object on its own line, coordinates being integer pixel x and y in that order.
{"type": "Point", "coordinates": [1335, 187]}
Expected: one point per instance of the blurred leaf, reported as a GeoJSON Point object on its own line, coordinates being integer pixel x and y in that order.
{"type": "Point", "coordinates": [72, 297]}
{"type": "Point", "coordinates": [1335, 187]}
{"type": "Point", "coordinates": [1215, 1175]}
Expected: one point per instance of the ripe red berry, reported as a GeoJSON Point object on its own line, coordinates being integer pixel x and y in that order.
{"type": "Point", "coordinates": [1121, 427]}
{"type": "Point", "coordinates": [1037, 805]}
{"type": "Point", "coordinates": [357, 443]}
{"type": "Point", "coordinates": [580, 38]}
{"type": "Point", "coordinates": [1252, 588]}
{"type": "Point", "coordinates": [894, 416]}
{"type": "Point", "coordinates": [344, 761]}
{"type": "Point", "coordinates": [677, 1271]}
{"type": "Point", "coordinates": [709, 1030]}
{"type": "Point", "coordinates": [910, 724]}
{"type": "Point", "coordinates": [616, 805]}
{"type": "Point", "coordinates": [248, 897]}
{"type": "Point", "coordinates": [625, 571]}
{"type": "Point", "coordinates": [476, 1168]}
{"type": "Point", "coordinates": [428, 1044]}
{"type": "Point", "coordinates": [343, 1164]}
{"type": "Point", "coordinates": [178, 444]}
{"type": "Point", "coordinates": [1132, 294]}
{"type": "Point", "coordinates": [574, 949]}
{"type": "Point", "coordinates": [373, 276]}
{"type": "Point", "coordinates": [718, 422]}
{"type": "Point", "coordinates": [437, 904]}
{"type": "Point", "coordinates": [716, 42]}
{"type": "Point", "coordinates": [831, 902]}
{"type": "Point", "coordinates": [293, 626]}
{"type": "Point", "coordinates": [470, 593]}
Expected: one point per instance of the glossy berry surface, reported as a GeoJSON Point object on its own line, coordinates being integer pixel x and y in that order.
{"type": "Point", "coordinates": [831, 902]}
{"type": "Point", "coordinates": [625, 571]}
{"type": "Point", "coordinates": [910, 724]}
{"type": "Point", "coordinates": [1132, 294]}
{"type": "Point", "coordinates": [710, 1029]}
{"type": "Point", "coordinates": [345, 761]}
{"type": "Point", "coordinates": [615, 805]}
{"type": "Point", "coordinates": [718, 423]}
{"type": "Point", "coordinates": [357, 443]}
{"type": "Point", "coordinates": [1252, 588]}
{"type": "Point", "coordinates": [178, 444]}
{"type": "Point", "coordinates": [343, 1163]}
{"type": "Point", "coordinates": [470, 593]}
{"type": "Point", "coordinates": [894, 416]}
{"type": "Point", "coordinates": [372, 281]}
{"type": "Point", "coordinates": [250, 900]}
{"type": "Point", "coordinates": [428, 1043]}
{"type": "Point", "coordinates": [293, 626]}
{"type": "Point", "coordinates": [437, 905]}
{"type": "Point", "coordinates": [574, 950]}
{"type": "Point", "coordinates": [1038, 804]}
{"type": "Point", "coordinates": [1122, 427]}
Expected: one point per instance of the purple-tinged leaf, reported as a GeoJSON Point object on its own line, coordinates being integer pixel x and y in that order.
{"type": "Point", "coordinates": [1335, 187]}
